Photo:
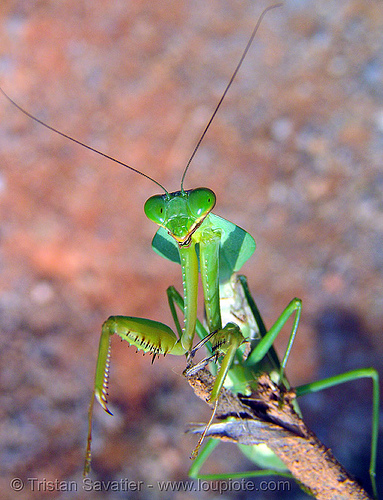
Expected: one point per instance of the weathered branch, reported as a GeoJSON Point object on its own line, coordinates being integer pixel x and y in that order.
{"type": "Point", "coordinates": [268, 416]}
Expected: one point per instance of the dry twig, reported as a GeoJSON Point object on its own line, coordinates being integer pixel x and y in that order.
{"type": "Point", "coordinates": [268, 416]}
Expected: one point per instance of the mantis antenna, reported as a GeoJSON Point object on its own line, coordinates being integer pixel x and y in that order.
{"type": "Point", "coordinates": [66, 136]}
{"type": "Point", "coordinates": [227, 88]}
{"type": "Point", "coordinates": [79, 142]}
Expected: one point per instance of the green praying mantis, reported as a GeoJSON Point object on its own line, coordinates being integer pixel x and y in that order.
{"type": "Point", "coordinates": [216, 249]}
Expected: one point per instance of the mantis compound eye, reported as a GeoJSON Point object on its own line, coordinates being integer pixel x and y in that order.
{"type": "Point", "coordinates": [201, 201]}
{"type": "Point", "coordinates": [155, 209]}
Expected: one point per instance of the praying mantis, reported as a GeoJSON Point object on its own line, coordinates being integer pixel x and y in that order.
{"type": "Point", "coordinates": [169, 343]}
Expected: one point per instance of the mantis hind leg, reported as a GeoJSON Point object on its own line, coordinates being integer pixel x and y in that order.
{"type": "Point", "coordinates": [253, 453]}
{"type": "Point", "coordinates": [269, 337]}
{"type": "Point", "coordinates": [350, 376]}
{"type": "Point", "coordinates": [266, 342]}
{"type": "Point", "coordinates": [207, 450]}
{"type": "Point", "coordinates": [300, 391]}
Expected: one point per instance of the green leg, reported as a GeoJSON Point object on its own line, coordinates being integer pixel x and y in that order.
{"type": "Point", "coordinates": [175, 299]}
{"type": "Point", "coordinates": [266, 342]}
{"type": "Point", "coordinates": [225, 367]}
{"type": "Point", "coordinates": [144, 334]}
{"type": "Point", "coordinates": [232, 336]}
{"type": "Point", "coordinates": [210, 241]}
{"type": "Point", "coordinates": [295, 304]}
{"type": "Point", "coordinates": [349, 377]}
{"type": "Point", "coordinates": [233, 343]}
{"type": "Point", "coordinates": [204, 454]}
{"type": "Point", "coordinates": [227, 341]}
{"type": "Point", "coordinates": [273, 360]}
{"type": "Point", "coordinates": [302, 390]}
{"type": "Point", "coordinates": [201, 458]}
{"type": "Point", "coordinates": [189, 265]}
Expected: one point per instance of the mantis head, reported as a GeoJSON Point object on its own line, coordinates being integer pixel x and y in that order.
{"type": "Point", "coordinates": [181, 212]}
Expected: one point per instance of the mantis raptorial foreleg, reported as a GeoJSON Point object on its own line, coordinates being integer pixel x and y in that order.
{"type": "Point", "coordinates": [146, 335]}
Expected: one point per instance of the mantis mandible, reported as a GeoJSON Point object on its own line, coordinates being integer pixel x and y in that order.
{"type": "Point", "coordinates": [199, 238]}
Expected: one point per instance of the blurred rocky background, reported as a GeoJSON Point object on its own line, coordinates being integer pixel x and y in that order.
{"type": "Point", "coordinates": [294, 156]}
